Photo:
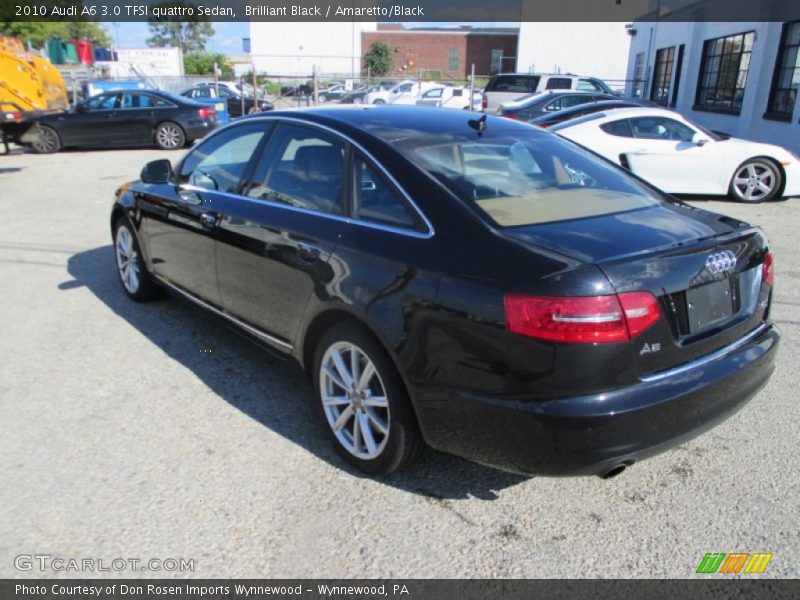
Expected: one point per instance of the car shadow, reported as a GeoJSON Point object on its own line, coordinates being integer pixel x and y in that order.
{"type": "Point", "coordinates": [227, 363]}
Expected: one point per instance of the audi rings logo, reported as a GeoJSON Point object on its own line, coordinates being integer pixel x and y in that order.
{"type": "Point", "coordinates": [721, 262]}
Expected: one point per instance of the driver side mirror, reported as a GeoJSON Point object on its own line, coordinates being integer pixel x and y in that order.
{"type": "Point", "coordinates": [157, 171]}
{"type": "Point", "coordinates": [81, 107]}
{"type": "Point", "coordinates": [700, 139]}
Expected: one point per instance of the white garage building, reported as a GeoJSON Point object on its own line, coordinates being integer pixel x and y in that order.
{"type": "Point", "coordinates": [295, 48]}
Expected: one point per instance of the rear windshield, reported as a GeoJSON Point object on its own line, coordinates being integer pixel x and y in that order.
{"type": "Point", "coordinates": [526, 177]}
{"type": "Point", "coordinates": [524, 84]}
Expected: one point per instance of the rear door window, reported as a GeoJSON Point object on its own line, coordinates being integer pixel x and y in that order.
{"type": "Point", "coordinates": [302, 167]}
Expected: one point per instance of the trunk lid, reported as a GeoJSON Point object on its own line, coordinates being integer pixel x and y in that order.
{"type": "Point", "coordinates": [705, 269]}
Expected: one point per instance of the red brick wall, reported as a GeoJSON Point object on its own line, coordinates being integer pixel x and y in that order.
{"type": "Point", "coordinates": [430, 51]}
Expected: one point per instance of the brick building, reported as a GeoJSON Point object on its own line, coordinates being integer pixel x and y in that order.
{"type": "Point", "coordinates": [449, 51]}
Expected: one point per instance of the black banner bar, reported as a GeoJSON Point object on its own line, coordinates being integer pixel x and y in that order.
{"type": "Point", "coordinates": [400, 10]}
{"type": "Point", "coordinates": [396, 589]}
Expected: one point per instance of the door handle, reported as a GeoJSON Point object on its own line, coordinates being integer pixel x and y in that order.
{"type": "Point", "coordinates": [110, 115]}
{"type": "Point", "coordinates": [190, 197]}
{"type": "Point", "coordinates": [208, 220]}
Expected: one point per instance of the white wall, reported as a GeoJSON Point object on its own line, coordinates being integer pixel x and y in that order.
{"type": "Point", "coordinates": [294, 48]}
{"type": "Point", "coordinates": [750, 123]}
{"type": "Point", "coordinates": [592, 49]}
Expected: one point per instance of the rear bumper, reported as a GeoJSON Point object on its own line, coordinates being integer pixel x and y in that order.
{"type": "Point", "coordinates": [199, 128]}
{"type": "Point", "coordinates": [591, 434]}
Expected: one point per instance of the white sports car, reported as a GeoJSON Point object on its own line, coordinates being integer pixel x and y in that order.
{"type": "Point", "coordinates": [681, 157]}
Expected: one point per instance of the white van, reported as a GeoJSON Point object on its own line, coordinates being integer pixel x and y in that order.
{"type": "Point", "coordinates": [506, 87]}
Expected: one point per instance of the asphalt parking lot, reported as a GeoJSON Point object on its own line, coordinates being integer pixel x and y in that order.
{"type": "Point", "coordinates": [151, 431]}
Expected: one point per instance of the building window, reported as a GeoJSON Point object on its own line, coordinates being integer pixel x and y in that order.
{"type": "Point", "coordinates": [723, 74]}
{"type": "Point", "coordinates": [453, 59]}
{"type": "Point", "coordinates": [786, 78]}
{"type": "Point", "coordinates": [662, 75]}
{"type": "Point", "coordinates": [497, 62]}
{"type": "Point", "coordinates": [638, 76]}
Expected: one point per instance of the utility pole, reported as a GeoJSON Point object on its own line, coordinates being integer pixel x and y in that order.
{"type": "Point", "coordinates": [472, 87]}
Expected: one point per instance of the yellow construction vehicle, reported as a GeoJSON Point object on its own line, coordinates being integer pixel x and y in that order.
{"type": "Point", "coordinates": [29, 84]}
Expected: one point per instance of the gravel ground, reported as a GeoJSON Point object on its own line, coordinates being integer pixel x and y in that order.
{"type": "Point", "coordinates": [151, 431]}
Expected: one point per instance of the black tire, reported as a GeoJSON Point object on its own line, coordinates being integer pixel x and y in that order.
{"type": "Point", "coordinates": [145, 289]}
{"type": "Point", "coordinates": [756, 180]}
{"type": "Point", "coordinates": [379, 101]}
{"type": "Point", "coordinates": [169, 136]}
{"type": "Point", "coordinates": [404, 442]}
{"type": "Point", "coordinates": [47, 142]}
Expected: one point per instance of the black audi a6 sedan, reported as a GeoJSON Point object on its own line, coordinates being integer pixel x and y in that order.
{"type": "Point", "coordinates": [474, 284]}
{"type": "Point", "coordinates": [123, 118]}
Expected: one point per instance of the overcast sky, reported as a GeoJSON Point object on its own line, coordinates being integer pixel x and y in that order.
{"type": "Point", "coordinates": [228, 36]}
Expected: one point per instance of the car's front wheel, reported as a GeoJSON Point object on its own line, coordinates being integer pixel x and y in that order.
{"type": "Point", "coordinates": [131, 269]}
{"type": "Point", "coordinates": [170, 136]}
{"type": "Point", "coordinates": [47, 141]}
{"type": "Point", "coordinates": [379, 101]}
{"type": "Point", "coordinates": [756, 180]}
{"type": "Point", "coordinates": [364, 405]}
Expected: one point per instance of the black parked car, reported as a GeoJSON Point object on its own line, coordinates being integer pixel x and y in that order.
{"type": "Point", "coordinates": [580, 110]}
{"type": "Point", "coordinates": [478, 285]}
{"type": "Point", "coordinates": [122, 118]}
{"type": "Point", "coordinates": [232, 97]}
{"type": "Point", "coordinates": [536, 105]}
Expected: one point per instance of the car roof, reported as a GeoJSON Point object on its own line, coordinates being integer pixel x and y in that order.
{"type": "Point", "coordinates": [392, 123]}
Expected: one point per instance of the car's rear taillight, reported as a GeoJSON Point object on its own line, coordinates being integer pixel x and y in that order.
{"type": "Point", "coordinates": [484, 103]}
{"type": "Point", "coordinates": [582, 319]}
{"type": "Point", "coordinates": [510, 115]}
{"type": "Point", "coordinates": [14, 116]}
{"type": "Point", "coordinates": [206, 113]}
{"type": "Point", "coordinates": [768, 270]}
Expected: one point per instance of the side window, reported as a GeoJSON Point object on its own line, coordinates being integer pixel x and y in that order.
{"type": "Point", "coordinates": [201, 93]}
{"type": "Point", "coordinates": [302, 167]}
{"type": "Point", "coordinates": [525, 84]}
{"type": "Point", "coordinates": [660, 128]}
{"type": "Point", "coordinates": [619, 128]}
{"type": "Point", "coordinates": [226, 93]}
{"type": "Point", "coordinates": [160, 102]}
{"type": "Point", "coordinates": [219, 162]}
{"type": "Point", "coordinates": [559, 83]}
{"type": "Point", "coordinates": [103, 102]}
{"type": "Point", "coordinates": [434, 93]}
{"type": "Point", "coordinates": [375, 201]}
{"type": "Point", "coordinates": [136, 101]}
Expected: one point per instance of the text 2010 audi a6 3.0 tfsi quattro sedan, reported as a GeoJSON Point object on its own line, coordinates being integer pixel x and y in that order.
{"type": "Point", "coordinates": [473, 284]}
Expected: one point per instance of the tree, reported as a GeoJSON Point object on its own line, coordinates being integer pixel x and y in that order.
{"type": "Point", "coordinates": [38, 32]}
{"type": "Point", "coordinates": [202, 63]}
{"type": "Point", "coordinates": [190, 34]}
{"type": "Point", "coordinates": [379, 58]}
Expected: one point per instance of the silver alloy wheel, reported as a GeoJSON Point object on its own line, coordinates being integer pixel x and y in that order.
{"type": "Point", "coordinates": [358, 100]}
{"type": "Point", "coordinates": [354, 400]}
{"type": "Point", "coordinates": [47, 140]}
{"type": "Point", "coordinates": [127, 260]}
{"type": "Point", "coordinates": [755, 180]}
{"type": "Point", "coordinates": [169, 136]}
